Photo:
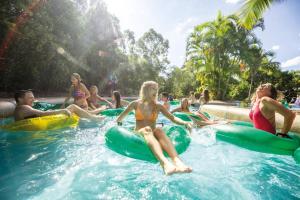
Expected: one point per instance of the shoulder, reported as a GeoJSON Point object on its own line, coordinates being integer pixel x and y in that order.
{"type": "Point", "coordinates": [24, 107]}
{"type": "Point", "coordinates": [134, 103]}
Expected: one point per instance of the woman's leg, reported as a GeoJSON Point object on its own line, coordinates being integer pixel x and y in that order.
{"type": "Point", "coordinates": [155, 147]}
{"type": "Point", "coordinates": [167, 145]}
{"type": "Point", "coordinates": [83, 113]}
{"type": "Point", "coordinates": [97, 110]}
{"type": "Point", "coordinates": [165, 142]}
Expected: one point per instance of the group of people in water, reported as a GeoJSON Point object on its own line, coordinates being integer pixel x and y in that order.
{"type": "Point", "coordinates": [86, 105]}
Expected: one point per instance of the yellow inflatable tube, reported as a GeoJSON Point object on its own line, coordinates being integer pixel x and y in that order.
{"type": "Point", "coordinates": [50, 122]}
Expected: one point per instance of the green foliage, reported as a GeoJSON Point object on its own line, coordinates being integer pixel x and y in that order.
{"type": "Point", "coordinates": [252, 11]}
{"type": "Point", "coordinates": [43, 42]}
{"type": "Point", "coordinates": [180, 82]}
{"type": "Point", "coordinates": [230, 61]}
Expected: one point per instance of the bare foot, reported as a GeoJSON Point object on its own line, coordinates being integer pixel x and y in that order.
{"type": "Point", "coordinates": [169, 168]}
{"type": "Point", "coordinates": [181, 167]}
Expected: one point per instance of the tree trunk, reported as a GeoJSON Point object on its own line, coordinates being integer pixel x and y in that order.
{"type": "Point", "coordinates": [251, 84]}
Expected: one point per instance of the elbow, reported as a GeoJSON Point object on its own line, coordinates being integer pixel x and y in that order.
{"type": "Point", "coordinates": [291, 116]}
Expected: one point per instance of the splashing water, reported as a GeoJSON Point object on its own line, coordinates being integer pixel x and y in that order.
{"type": "Point", "coordinates": [76, 164]}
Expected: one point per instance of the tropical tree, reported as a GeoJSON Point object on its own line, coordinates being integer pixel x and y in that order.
{"type": "Point", "coordinates": [213, 50]}
{"type": "Point", "coordinates": [154, 48]}
{"type": "Point", "coordinates": [252, 11]}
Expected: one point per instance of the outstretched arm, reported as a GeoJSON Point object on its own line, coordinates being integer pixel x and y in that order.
{"type": "Point", "coordinates": [102, 99]}
{"type": "Point", "coordinates": [124, 102]}
{"type": "Point", "coordinates": [176, 110]}
{"type": "Point", "coordinates": [288, 115]}
{"type": "Point", "coordinates": [171, 117]}
{"type": "Point", "coordinates": [68, 97]}
{"type": "Point", "coordinates": [129, 108]}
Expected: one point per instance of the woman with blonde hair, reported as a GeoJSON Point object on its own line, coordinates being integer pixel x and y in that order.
{"type": "Point", "coordinates": [94, 99]}
{"type": "Point", "coordinates": [78, 91]}
{"type": "Point", "coordinates": [184, 107]}
{"type": "Point", "coordinates": [146, 112]}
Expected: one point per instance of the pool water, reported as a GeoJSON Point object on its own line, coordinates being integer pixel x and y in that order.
{"type": "Point", "coordinates": [76, 164]}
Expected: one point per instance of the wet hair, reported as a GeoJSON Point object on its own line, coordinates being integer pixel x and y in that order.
{"type": "Point", "coordinates": [20, 94]}
{"type": "Point", "coordinates": [274, 92]}
{"type": "Point", "coordinates": [145, 94]}
{"type": "Point", "coordinates": [165, 94]}
{"type": "Point", "coordinates": [77, 76]}
{"type": "Point", "coordinates": [187, 100]}
{"type": "Point", "coordinates": [206, 96]}
{"type": "Point", "coordinates": [117, 98]}
{"type": "Point", "coordinates": [94, 86]}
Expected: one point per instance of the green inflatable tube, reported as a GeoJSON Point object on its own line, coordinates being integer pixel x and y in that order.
{"type": "Point", "coordinates": [187, 116]}
{"type": "Point", "coordinates": [297, 155]}
{"type": "Point", "coordinates": [46, 106]}
{"type": "Point", "coordinates": [125, 142]}
{"type": "Point", "coordinates": [245, 136]}
{"type": "Point", "coordinates": [113, 112]}
{"type": "Point", "coordinates": [175, 102]}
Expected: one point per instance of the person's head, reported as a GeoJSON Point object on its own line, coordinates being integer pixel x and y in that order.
{"type": "Point", "coordinates": [149, 91]}
{"type": "Point", "coordinates": [94, 90]}
{"type": "Point", "coordinates": [268, 90]}
{"type": "Point", "coordinates": [75, 78]}
{"type": "Point", "coordinates": [116, 97]}
{"type": "Point", "coordinates": [192, 93]}
{"type": "Point", "coordinates": [164, 96]}
{"type": "Point", "coordinates": [24, 97]}
{"type": "Point", "coordinates": [206, 96]}
{"type": "Point", "coordinates": [184, 104]}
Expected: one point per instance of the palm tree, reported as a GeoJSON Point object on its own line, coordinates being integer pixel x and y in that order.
{"type": "Point", "coordinates": [252, 11]}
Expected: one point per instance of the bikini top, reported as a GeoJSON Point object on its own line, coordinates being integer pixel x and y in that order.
{"type": "Point", "coordinates": [139, 116]}
{"type": "Point", "coordinates": [259, 121]}
{"type": "Point", "coordinates": [78, 94]}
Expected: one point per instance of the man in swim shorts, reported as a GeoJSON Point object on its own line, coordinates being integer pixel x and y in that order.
{"type": "Point", "coordinates": [24, 110]}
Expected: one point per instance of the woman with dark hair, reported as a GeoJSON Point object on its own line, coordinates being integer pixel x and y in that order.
{"type": "Point", "coordinates": [204, 99]}
{"type": "Point", "coordinates": [117, 101]}
{"type": "Point", "coordinates": [264, 108]}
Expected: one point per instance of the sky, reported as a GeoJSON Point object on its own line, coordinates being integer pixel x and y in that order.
{"type": "Point", "coordinates": [175, 19]}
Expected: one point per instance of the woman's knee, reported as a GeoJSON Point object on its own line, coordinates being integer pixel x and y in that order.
{"type": "Point", "coordinates": [158, 132]}
{"type": "Point", "coordinates": [73, 108]}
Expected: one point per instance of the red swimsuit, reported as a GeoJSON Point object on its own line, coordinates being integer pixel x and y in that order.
{"type": "Point", "coordinates": [259, 121]}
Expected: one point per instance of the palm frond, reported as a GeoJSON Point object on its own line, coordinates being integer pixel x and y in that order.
{"type": "Point", "coordinates": [252, 11]}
